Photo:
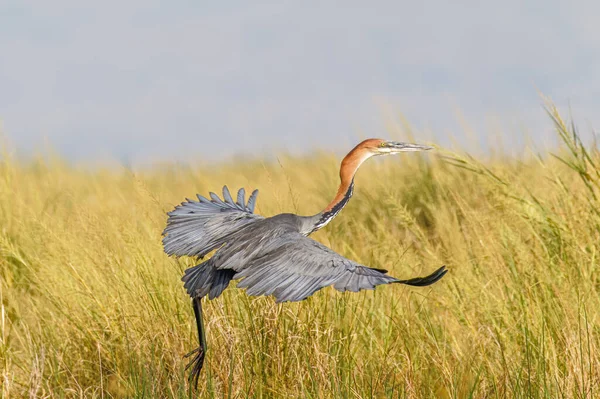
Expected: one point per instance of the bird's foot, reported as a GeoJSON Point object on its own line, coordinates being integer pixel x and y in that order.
{"type": "Point", "coordinates": [195, 364]}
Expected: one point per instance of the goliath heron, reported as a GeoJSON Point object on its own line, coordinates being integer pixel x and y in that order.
{"type": "Point", "coordinates": [271, 256]}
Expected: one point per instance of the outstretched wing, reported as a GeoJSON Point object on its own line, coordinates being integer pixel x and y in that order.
{"type": "Point", "coordinates": [195, 228]}
{"type": "Point", "coordinates": [301, 266]}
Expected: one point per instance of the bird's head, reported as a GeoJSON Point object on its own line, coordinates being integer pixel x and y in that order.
{"type": "Point", "coordinates": [373, 147]}
{"type": "Point", "coordinates": [384, 147]}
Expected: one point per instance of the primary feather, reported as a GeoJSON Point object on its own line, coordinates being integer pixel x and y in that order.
{"type": "Point", "coordinates": [195, 228]}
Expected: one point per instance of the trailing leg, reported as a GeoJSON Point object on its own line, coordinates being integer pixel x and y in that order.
{"type": "Point", "coordinates": [198, 354]}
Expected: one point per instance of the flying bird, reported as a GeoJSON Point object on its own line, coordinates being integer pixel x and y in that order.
{"type": "Point", "coordinates": [271, 255]}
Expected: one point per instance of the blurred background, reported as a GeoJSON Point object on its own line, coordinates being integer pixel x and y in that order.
{"type": "Point", "coordinates": [145, 81]}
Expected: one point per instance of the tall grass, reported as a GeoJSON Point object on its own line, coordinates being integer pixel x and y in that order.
{"type": "Point", "coordinates": [91, 307]}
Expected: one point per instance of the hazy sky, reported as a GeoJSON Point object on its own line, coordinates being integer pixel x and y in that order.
{"type": "Point", "coordinates": [190, 79]}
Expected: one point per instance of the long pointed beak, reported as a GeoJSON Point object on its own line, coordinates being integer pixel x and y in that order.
{"type": "Point", "coordinates": [396, 146]}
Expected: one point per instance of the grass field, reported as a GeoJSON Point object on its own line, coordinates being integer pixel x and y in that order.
{"type": "Point", "coordinates": [91, 306]}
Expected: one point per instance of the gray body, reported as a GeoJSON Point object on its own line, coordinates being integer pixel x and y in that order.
{"type": "Point", "coordinates": [272, 256]}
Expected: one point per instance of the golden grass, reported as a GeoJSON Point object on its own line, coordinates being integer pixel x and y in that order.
{"type": "Point", "coordinates": [91, 307]}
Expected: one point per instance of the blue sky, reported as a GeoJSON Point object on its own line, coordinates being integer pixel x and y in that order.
{"type": "Point", "coordinates": [180, 80]}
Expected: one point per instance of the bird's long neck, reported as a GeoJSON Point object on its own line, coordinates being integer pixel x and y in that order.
{"type": "Point", "coordinates": [348, 168]}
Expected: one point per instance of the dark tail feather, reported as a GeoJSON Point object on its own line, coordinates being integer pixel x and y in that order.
{"type": "Point", "coordinates": [221, 280]}
{"type": "Point", "coordinates": [428, 280]}
{"type": "Point", "coordinates": [204, 279]}
{"type": "Point", "coordinates": [198, 360]}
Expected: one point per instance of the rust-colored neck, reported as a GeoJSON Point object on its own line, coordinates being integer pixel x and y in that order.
{"type": "Point", "coordinates": [350, 165]}
{"type": "Point", "coordinates": [348, 168]}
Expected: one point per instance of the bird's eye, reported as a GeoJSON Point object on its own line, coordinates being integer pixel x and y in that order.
{"type": "Point", "coordinates": [382, 144]}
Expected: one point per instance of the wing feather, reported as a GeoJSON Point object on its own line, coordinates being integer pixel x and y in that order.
{"type": "Point", "coordinates": [215, 198]}
{"type": "Point", "coordinates": [300, 267]}
{"type": "Point", "coordinates": [201, 199]}
{"type": "Point", "coordinates": [227, 196]}
{"type": "Point", "coordinates": [241, 196]}
{"type": "Point", "coordinates": [195, 228]}
{"type": "Point", "coordinates": [252, 201]}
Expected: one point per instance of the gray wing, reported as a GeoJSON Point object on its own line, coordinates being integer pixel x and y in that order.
{"type": "Point", "coordinates": [195, 228]}
{"type": "Point", "coordinates": [300, 267]}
